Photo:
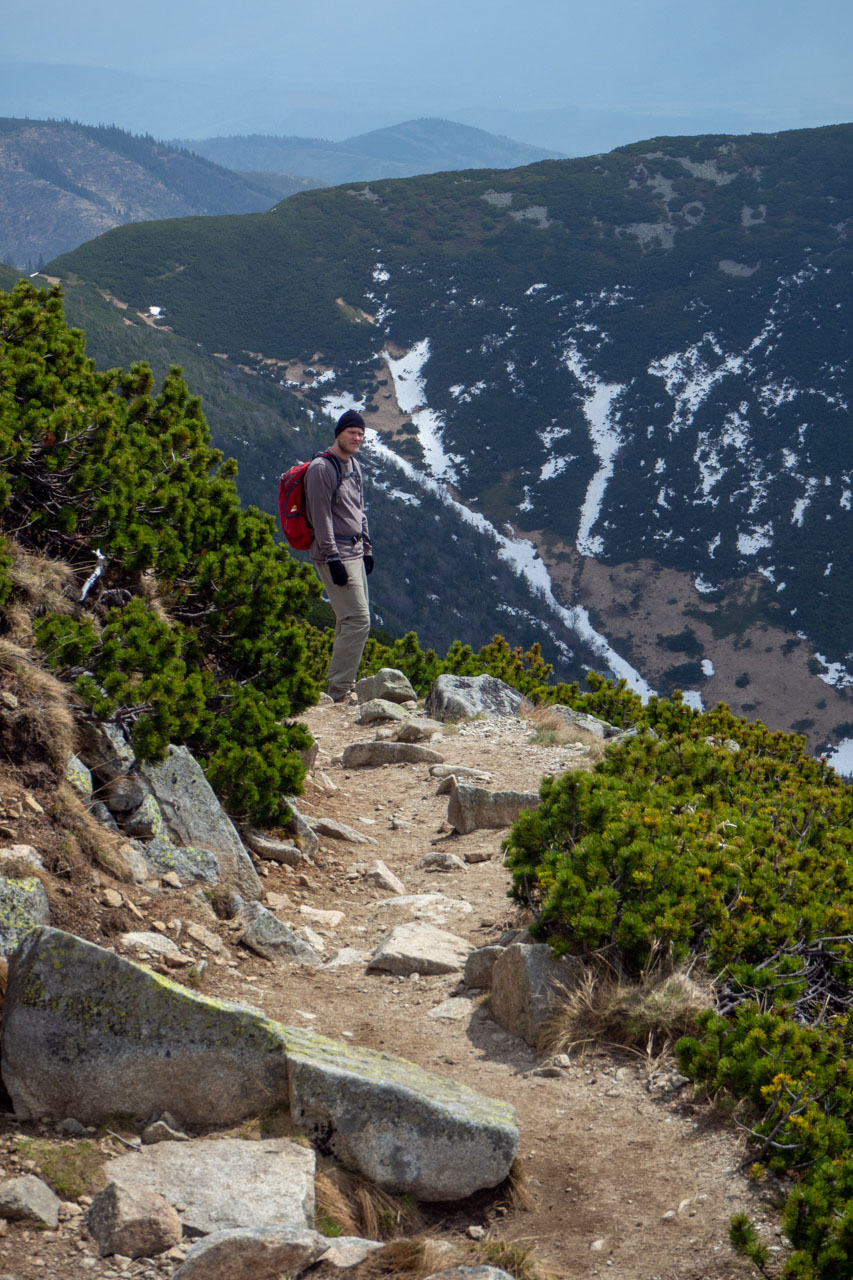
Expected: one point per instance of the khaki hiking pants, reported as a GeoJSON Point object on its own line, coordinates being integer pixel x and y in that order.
{"type": "Point", "coordinates": [352, 611]}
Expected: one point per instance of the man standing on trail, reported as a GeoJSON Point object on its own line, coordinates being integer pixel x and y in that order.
{"type": "Point", "coordinates": [341, 551]}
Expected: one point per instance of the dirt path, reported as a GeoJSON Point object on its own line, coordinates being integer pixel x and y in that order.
{"type": "Point", "coordinates": [627, 1177]}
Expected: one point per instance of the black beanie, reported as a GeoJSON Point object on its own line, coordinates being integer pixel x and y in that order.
{"type": "Point", "coordinates": [349, 419]}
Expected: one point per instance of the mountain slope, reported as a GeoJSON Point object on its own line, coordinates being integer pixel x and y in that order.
{"type": "Point", "coordinates": [641, 360]}
{"type": "Point", "coordinates": [62, 184]}
{"type": "Point", "coordinates": [400, 151]}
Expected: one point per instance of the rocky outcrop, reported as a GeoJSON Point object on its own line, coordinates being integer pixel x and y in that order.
{"type": "Point", "coordinates": [474, 808]}
{"type": "Point", "coordinates": [194, 816]}
{"type": "Point", "coordinates": [88, 1034]}
{"type": "Point", "coordinates": [461, 697]}
{"type": "Point", "coordinates": [23, 905]}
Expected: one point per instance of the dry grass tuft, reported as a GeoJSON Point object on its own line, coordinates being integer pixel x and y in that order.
{"type": "Point", "coordinates": [647, 1015]}
{"type": "Point", "coordinates": [518, 1194]}
{"type": "Point", "coordinates": [397, 1258]}
{"type": "Point", "coordinates": [41, 728]}
{"type": "Point", "coordinates": [550, 729]}
{"type": "Point", "coordinates": [87, 842]}
{"type": "Point", "coordinates": [41, 584]}
{"type": "Point", "coordinates": [516, 1257]}
{"type": "Point", "coordinates": [347, 1201]}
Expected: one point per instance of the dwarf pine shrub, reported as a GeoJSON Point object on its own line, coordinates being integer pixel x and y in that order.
{"type": "Point", "coordinates": [205, 645]}
{"type": "Point", "coordinates": [710, 840]}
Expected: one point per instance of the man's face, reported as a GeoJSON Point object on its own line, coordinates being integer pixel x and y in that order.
{"type": "Point", "coordinates": [350, 438]}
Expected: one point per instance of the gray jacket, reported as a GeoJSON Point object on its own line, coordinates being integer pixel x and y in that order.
{"type": "Point", "coordinates": [338, 519]}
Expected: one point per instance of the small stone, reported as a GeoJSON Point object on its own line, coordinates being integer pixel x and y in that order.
{"type": "Point", "coordinates": [172, 879]}
{"type": "Point", "coordinates": [111, 898]}
{"type": "Point", "coordinates": [384, 878]}
{"type": "Point", "coordinates": [28, 1199]}
{"type": "Point", "coordinates": [440, 861]}
{"type": "Point", "coordinates": [476, 1233]}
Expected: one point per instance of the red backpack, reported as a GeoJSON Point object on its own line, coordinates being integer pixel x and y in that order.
{"type": "Point", "coordinates": [291, 501]}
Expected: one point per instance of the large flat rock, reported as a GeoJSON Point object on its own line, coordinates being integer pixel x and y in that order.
{"type": "Point", "coordinates": [222, 1183]}
{"type": "Point", "coordinates": [371, 755]}
{"type": "Point", "coordinates": [419, 948]}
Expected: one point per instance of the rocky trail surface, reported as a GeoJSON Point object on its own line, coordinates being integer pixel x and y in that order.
{"type": "Point", "coordinates": [625, 1174]}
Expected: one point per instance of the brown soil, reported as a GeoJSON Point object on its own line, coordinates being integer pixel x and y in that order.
{"type": "Point", "coordinates": [628, 1176]}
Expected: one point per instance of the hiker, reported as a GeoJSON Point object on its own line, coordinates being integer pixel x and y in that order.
{"type": "Point", "coordinates": [340, 549]}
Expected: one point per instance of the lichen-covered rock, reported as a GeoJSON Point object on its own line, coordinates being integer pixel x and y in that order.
{"type": "Point", "coordinates": [367, 755]}
{"type": "Point", "coordinates": [79, 777]}
{"type": "Point", "coordinates": [23, 907]}
{"type": "Point", "coordinates": [88, 1034]}
{"type": "Point", "coordinates": [400, 1126]}
{"type": "Point", "coordinates": [388, 683]}
{"type": "Point", "coordinates": [194, 816]}
{"type": "Point", "coordinates": [190, 863]}
{"type": "Point", "coordinates": [474, 808]}
{"type": "Point", "coordinates": [144, 820]}
{"type": "Point", "coordinates": [460, 697]}
{"type": "Point", "coordinates": [105, 748]}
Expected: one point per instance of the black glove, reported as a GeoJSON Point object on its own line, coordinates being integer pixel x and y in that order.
{"type": "Point", "coordinates": [368, 564]}
{"type": "Point", "coordinates": [340, 577]}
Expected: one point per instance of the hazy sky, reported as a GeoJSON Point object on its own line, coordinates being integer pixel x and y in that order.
{"type": "Point", "coordinates": [768, 64]}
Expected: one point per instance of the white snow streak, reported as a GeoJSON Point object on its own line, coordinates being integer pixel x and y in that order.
{"type": "Point", "coordinates": [407, 373]}
{"type": "Point", "coordinates": [606, 439]}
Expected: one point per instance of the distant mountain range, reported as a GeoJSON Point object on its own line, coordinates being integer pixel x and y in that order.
{"type": "Point", "coordinates": [403, 151]}
{"type": "Point", "coordinates": [62, 184]}
{"type": "Point", "coordinates": [631, 373]}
